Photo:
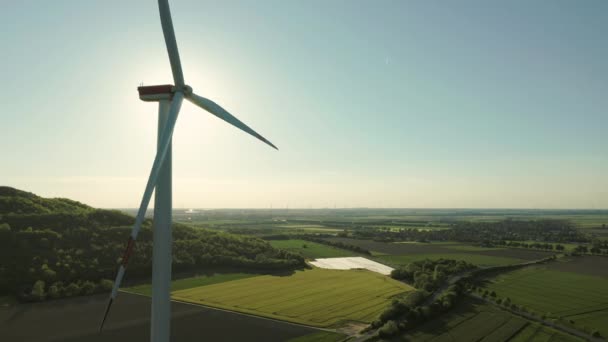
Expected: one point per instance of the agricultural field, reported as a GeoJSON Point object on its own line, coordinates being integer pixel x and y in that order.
{"type": "Point", "coordinates": [473, 320]}
{"type": "Point", "coordinates": [398, 253]}
{"type": "Point", "coordinates": [316, 297]}
{"type": "Point", "coordinates": [311, 250]}
{"type": "Point", "coordinates": [534, 332]}
{"type": "Point", "coordinates": [77, 319]}
{"type": "Point", "coordinates": [187, 283]}
{"type": "Point", "coordinates": [560, 290]}
{"type": "Point", "coordinates": [321, 336]}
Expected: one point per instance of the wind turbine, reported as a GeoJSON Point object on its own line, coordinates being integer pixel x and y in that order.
{"type": "Point", "coordinates": [169, 98]}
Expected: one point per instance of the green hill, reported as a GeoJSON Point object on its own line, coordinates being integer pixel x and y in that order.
{"type": "Point", "coordinates": [20, 202]}
{"type": "Point", "coordinates": [58, 247]}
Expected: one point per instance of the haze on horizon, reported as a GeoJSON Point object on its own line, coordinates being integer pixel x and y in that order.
{"type": "Point", "coordinates": [417, 104]}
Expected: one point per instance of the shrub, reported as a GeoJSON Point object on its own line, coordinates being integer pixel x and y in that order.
{"type": "Point", "coordinates": [389, 329]}
{"type": "Point", "coordinates": [105, 285]}
{"type": "Point", "coordinates": [72, 290]}
{"type": "Point", "coordinates": [38, 291]}
{"type": "Point", "coordinates": [88, 288]}
{"type": "Point", "coordinates": [55, 290]}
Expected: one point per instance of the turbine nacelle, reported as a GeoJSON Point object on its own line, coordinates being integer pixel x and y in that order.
{"type": "Point", "coordinates": [157, 93]}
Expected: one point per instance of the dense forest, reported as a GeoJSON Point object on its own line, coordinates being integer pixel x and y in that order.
{"type": "Point", "coordinates": [52, 248]}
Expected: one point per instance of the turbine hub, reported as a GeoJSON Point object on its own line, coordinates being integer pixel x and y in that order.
{"type": "Point", "coordinates": [186, 89]}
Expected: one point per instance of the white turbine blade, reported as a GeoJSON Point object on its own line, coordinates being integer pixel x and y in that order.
{"type": "Point", "coordinates": [169, 33]}
{"type": "Point", "coordinates": [223, 114]}
{"type": "Point", "coordinates": [176, 103]}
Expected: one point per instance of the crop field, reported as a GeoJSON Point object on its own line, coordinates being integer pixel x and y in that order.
{"type": "Point", "coordinates": [475, 321]}
{"type": "Point", "coordinates": [77, 319]}
{"type": "Point", "coordinates": [312, 250]}
{"type": "Point", "coordinates": [316, 297]}
{"type": "Point", "coordinates": [399, 253]}
{"type": "Point", "coordinates": [581, 298]}
{"type": "Point", "coordinates": [321, 336]}
{"type": "Point", "coordinates": [534, 332]}
{"type": "Point", "coordinates": [187, 283]}
{"type": "Point", "coordinates": [589, 265]}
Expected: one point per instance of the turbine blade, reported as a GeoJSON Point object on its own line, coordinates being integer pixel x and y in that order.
{"type": "Point", "coordinates": [165, 140]}
{"type": "Point", "coordinates": [169, 33]}
{"type": "Point", "coordinates": [223, 114]}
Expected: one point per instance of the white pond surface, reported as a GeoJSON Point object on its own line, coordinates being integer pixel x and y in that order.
{"type": "Point", "coordinates": [350, 263]}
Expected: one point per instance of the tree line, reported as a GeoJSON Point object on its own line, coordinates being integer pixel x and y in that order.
{"type": "Point", "coordinates": [557, 231]}
{"type": "Point", "coordinates": [430, 274]}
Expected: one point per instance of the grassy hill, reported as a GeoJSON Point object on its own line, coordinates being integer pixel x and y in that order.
{"type": "Point", "coordinates": [58, 247]}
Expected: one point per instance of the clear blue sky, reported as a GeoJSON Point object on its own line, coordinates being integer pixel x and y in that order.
{"type": "Point", "coordinates": [372, 103]}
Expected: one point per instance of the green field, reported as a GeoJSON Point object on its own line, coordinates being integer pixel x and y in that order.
{"type": "Point", "coordinates": [476, 259]}
{"type": "Point", "coordinates": [534, 332]}
{"type": "Point", "coordinates": [401, 253]}
{"type": "Point", "coordinates": [317, 297]}
{"type": "Point", "coordinates": [475, 321]}
{"type": "Point", "coordinates": [312, 250]}
{"type": "Point", "coordinates": [470, 248]}
{"type": "Point", "coordinates": [186, 283]}
{"type": "Point", "coordinates": [321, 336]}
{"type": "Point", "coordinates": [557, 294]}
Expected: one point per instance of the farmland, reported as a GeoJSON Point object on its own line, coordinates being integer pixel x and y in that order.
{"type": "Point", "coordinates": [396, 254]}
{"type": "Point", "coordinates": [475, 321]}
{"type": "Point", "coordinates": [77, 319]}
{"type": "Point", "coordinates": [577, 299]}
{"type": "Point", "coordinates": [310, 250]}
{"type": "Point", "coordinates": [316, 297]}
{"type": "Point", "coordinates": [186, 283]}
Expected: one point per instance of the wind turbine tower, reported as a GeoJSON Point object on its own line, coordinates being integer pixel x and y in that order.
{"type": "Point", "coordinates": [169, 98]}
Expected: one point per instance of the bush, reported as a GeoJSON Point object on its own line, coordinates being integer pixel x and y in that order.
{"type": "Point", "coordinates": [88, 288]}
{"type": "Point", "coordinates": [72, 290]}
{"type": "Point", "coordinates": [596, 333]}
{"type": "Point", "coordinates": [105, 285]}
{"type": "Point", "coordinates": [390, 328]}
{"type": "Point", "coordinates": [55, 290]}
{"type": "Point", "coordinates": [38, 291]}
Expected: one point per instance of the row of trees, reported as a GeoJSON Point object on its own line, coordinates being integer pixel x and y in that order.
{"type": "Point", "coordinates": [481, 232]}
{"type": "Point", "coordinates": [337, 244]}
{"type": "Point", "coordinates": [404, 315]}
{"type": "Point", "coordinates": [533, 245]}
{"type": "Point", "coordinates": [430, 274]}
